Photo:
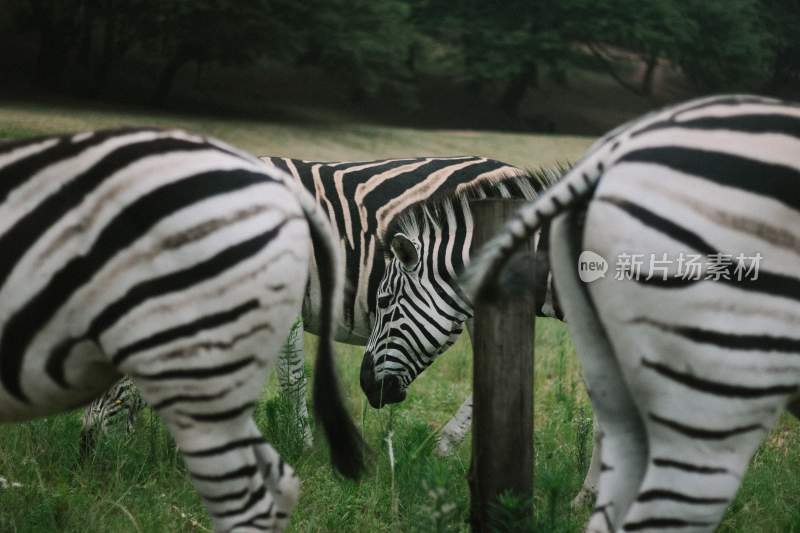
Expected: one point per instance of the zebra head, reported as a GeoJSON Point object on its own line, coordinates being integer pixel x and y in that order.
{"type": "Point", "coordinates": [420, 310]}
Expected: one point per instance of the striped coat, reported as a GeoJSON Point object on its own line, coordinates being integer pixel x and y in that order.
{"type": "Point", "coordinates": [688, 368]}
{"type": "Point", "coordinates": [137, 252]}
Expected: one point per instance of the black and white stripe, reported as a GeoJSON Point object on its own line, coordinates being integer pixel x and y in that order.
{"type": "Point", "coordinates": [361, 200]}
{"type": "Point", "coordinates": [420, 308]}
{"type": "Point", "coordinates": [377, 207]}
{"type": "Point", "coordinates": [686, 377]}
{"type": "Point", "coordinates": [180, 262]}
{"type": "Point", "coordinates": [121, 399]}
{"type": "Point", "coordinates": [370, 204]}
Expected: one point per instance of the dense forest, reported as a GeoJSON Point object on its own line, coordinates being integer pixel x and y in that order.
{"type": "Point", "coordinates": [384, 47]}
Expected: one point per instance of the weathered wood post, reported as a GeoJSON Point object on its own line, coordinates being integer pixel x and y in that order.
{"type": "Point", "coordinates": [502, 345]}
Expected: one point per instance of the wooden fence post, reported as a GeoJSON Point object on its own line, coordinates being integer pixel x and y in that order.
{"type": "Point", "coordinates": [502, 346]}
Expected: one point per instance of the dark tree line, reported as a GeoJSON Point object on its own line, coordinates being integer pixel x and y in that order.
{"type": "Point", "coordinates": [384, 45]}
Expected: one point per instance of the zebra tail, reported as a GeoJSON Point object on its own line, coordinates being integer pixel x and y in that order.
{"type": "Point", "coordinates": [486, 266]}
{"type": "Point", "coordinates": [346, 444]}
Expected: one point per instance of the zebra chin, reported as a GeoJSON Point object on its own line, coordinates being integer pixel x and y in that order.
{"type": "Point", "coordinates": [381, 392]}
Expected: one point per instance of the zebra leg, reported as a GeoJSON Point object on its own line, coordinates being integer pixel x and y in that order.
{"type": "Point", "coordinates": [794, 407]}
{"type": "Point", "coordinates": [691, 479]}
{"type": "Point", "coordinates": [292, 378]}
{"type": "Point", "coordinates": [122, 396]}
{"type": "Point", "coordinates": [624, 449]}
{"type": "Point", "coordinates": [135, 405]}
{"type": "Point", "coordinates": [588, 490]}
{"type": "Point", "coordinates": [456, 429]}
{"type": "Point", "coordinates": [236, 472]}
{"type": "Point", "coordinates": [243, 481]}
{"type": "Point", "coordinates": [88, 438]}
{"type": "Point", "coordinates": [705, 412]}
{"type": "Point", "coordinates": [279, 477]}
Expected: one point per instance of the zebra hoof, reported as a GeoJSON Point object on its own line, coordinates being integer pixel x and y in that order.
{"type": "Point", "coordinates": [288, 491]}
{"type": "Point", "coordinates": [585, 497]}
{"type": "Point", "coordinates": [444, 448]}
{"type": "Point", "coordinates": [308, 440]}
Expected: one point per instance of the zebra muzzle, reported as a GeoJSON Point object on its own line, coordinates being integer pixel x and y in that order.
{"type": "Point", "coordinates": [382, 391]}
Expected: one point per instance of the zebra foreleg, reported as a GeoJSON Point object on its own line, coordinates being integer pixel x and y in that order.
{"type": "Point", "coordinates": [293, 380]}
{"type": "Point", "coordinates": [454, 432]}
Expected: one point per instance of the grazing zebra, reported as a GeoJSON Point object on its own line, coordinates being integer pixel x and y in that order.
{"type": "Point", "coordinates": [180, 262]}
{"type": "Point", "coordinates": [420, 308]}
{"type": "Point", "coordinates": [688, 369]}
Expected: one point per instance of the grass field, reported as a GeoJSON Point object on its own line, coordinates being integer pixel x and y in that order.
{"type": "Point", "coordinates": [138, 483]}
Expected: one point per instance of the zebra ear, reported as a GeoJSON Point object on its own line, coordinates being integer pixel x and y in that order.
{"type": "Point", "coordinates": [405, 251]}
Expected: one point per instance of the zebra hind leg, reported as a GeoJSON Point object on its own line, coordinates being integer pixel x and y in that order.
{"type": "Point", "coordinates": [700, 449]}
{"type": "Point", "coordinates": [624, 442]}
{"type": "Point", "coordinates": [244, 483]}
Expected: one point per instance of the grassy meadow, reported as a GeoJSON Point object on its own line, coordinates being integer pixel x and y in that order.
{"type": "Point", "coordinates": [137, 483]}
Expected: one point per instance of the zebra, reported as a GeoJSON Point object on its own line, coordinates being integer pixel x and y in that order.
{"type": "Point", "coordinates": [365, 202]}
{"type": "Point", "coordinates": [379, 199]}
{"type": "Point", "coordinates": [420, 310]}
{"type": "Point", "coordinates": [360, 199]}
{"type": "Point", "coordinates": [176, 260]}
{"type": "Point", "coordinates": [121, 399]}
{"type": "Point", "coordinates": [687, 373]}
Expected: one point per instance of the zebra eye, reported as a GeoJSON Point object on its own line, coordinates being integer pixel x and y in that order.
{"type": "Point", "coordinates": [384, 301]}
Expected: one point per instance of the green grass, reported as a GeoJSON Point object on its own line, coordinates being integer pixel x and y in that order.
{"type": "Point", "coordinates": [138, 483]}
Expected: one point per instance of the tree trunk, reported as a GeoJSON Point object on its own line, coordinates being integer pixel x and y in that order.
{"type": "Point", "coordinates": [166, 79]}
{"type": "Point", "coordinates": [649, 72]}
{"type": "Point", "coordinates": [606, 63]}
{"type": "Point", "coordinates": [52, 54]}
{"type": "Point", "coordinates": [108, 54]}
{"type": "Point", "coordinates": [84, 53]}
{"type": "Point", "coordinates": [517, 88]}
{"type": "Point", "coordinates": [411, 57]}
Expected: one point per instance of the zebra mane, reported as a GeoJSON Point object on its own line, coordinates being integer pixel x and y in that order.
{"type": "Point", "coordinates": [523, 184]}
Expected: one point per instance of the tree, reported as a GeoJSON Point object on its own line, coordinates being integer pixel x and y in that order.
{"type": "Point", "coordinates": [57, 23]}
{"type": "Point", "coordinates": [783, 19]}
{"type": "Point", "coordinates": [649, 30]}
{"type": "Point", "coordinates": [726, 46]}
{"type": "Point", "coordinates": [226, 32]}
{"type": "Point", "coordinates": [363, 41]}
{"type": "Point", "coordinates": [510, 42]}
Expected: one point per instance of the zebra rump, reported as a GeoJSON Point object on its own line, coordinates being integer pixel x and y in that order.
{"type": "Point", "coordinates": [181, 262]}
{"type": "Point", "coordinates": [688, 370]}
